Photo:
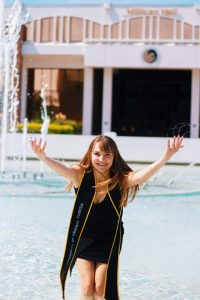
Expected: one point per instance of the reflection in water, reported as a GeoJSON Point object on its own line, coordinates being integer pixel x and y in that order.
{"type": "Point", "coordinates": [161, 242]}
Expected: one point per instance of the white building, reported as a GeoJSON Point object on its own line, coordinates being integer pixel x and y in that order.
{"type": "Point", "coordinates": [112, 66]}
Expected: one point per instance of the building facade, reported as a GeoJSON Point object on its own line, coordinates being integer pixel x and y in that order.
{"type": "Point", "coordinates": [114, 67]}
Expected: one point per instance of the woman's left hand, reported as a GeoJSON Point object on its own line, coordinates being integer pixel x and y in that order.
{"type": "Point", "coordinates": [143, 175]}
{"type": "Point", "coordinates": [172, 147]}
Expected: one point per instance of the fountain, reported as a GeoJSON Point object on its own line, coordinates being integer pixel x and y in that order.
{"type": "Point", "coordinates": [10, 36]}
{"type": "Point", "coordinates": [24, 154]}
{"type": "Point", "coordinates": [182, 129]}
{"type": "Point", "coordinates": [1, 51]}
{"type": "Point", "coordinates": [1, 54]}
{"type": "Point", "coordinates": [180, 174]}
{"type": "Point", "coordinates": [45, 125]}
{"type": "Point", "coordinates": [9, 87]}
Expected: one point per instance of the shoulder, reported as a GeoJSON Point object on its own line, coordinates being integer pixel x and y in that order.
{"type": "Point", "coordinates": [77, 168]}
{"type": "Point", "coordinates": [78, 172]}
{"type": "Point", "coordinates": [129, 179]}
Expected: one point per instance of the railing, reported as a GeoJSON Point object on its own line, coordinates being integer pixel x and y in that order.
{"type": "Point", "coordinates": [139, 29]}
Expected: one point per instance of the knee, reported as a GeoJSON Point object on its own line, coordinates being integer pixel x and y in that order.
{"type": "Point", "coordinates": [99, 289]}
{"type": "Point", "coordinates": [88, 288]}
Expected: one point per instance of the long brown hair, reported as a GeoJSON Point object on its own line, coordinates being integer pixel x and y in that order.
{"type": "Point", "coordinates": [119, 169]}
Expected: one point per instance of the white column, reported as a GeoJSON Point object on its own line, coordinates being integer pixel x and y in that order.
{"type": "Point", "coordinates": [109, 31]}
{"type": "Point", "coordinates": [157, 28]}
{"type": "Point", "coordinates": [102, 32]}
{"type": "Point", "coordinates": [151, 28]}
{"type": "Point", "coordinates": [143, 27]}
{"type": "Point", "coordinates": [61, 29]}
{"type": "Point", "coordinates": [193, 33]}
{"type": "Point", "coordinates": [23, 94]}
{"type": "Point", "coordinates": [54, 29]}
{"type": "Point", "coordinates": [88, 100]}
{"type": "Point", "coordinates": [195, 104]}
{"type": "Point", "coordinates": [127, 29]}
{"type": "Point", "coordinates": [68, 30]}
{"type": "Point", "coordinates": [120, 31]}
{"type": "Point", "coordinates": [91, 34]}
{"type": "Point", "coordinates": [175, 29]}
{"type": "Point", "coordinates": [32, 31]}
{"type": "Point", "coordinates": [39, 31]}
{"type": "Point", "coordinates": [84, 30]}
{"type": "Point", "coordinates": [182, 31]}
{"type": "Point", "coordinates": [107, 100]}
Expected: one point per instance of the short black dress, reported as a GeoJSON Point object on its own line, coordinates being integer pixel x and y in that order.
{"type": "Point", "coordinates": [98, 235]}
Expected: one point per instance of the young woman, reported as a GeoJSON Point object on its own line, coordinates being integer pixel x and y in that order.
{"type": "Point", "coordinates": [103, 184]}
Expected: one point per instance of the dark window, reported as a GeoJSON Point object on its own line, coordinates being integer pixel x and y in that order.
{"type": "Point", "coordinates": [150, 102]}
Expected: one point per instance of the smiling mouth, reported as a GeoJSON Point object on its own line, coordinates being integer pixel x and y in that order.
{"type": "Point", "coordinates": [101, 165]}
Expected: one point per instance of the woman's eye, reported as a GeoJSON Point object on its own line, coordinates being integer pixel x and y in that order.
{"type": "Point", "coordinates": [97, 154]}
{"type": "Point", "coordinates": [108, 154]}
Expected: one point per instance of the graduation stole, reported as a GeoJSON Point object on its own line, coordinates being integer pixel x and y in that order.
{"type": "Point", "coordinates": [83, 204]}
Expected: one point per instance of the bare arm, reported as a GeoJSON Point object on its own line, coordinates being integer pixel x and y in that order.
{"type": "Point", "coordinates": [73, 173]}
{"type": "Point", "coordinates": [144, 174]}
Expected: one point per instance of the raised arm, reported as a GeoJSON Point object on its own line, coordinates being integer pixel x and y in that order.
{"type": "Point", "coordinates": [73, 173]}
{"type": "Point", "coordinates": [143, 175]}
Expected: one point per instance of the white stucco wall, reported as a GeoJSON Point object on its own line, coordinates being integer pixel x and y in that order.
{"type": "Point", "coordinates": [136, 149]}
{"type": "Point", "coordinates": [127, 56]}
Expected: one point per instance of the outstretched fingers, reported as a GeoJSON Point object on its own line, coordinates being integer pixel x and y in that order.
{"type": "Point", "coordinates": [43, 145]}
{"type": "Point", "coordinates": [180, 142]}
{"type": "Point", "coordinates": [173, 146]}
{"type": "Point", "coordinates": [38, 146]}
{"type": "Point", "coordinates": [33, 144]}
{"type": "Point", "coordinates": [176, 143]}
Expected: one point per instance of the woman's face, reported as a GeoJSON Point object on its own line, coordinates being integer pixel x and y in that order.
{"type": "Point", "coordinates": [101, 161]}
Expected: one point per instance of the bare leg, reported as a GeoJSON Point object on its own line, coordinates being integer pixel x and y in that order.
{"type": "Point", "coordinates": [86, 270]}
{"type": "Point", "coordinates": [100, 280]}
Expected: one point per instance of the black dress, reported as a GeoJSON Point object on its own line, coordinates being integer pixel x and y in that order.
{"type": "Point", "coordinates": [100, 220]}
{"type": "Point", "coordinates": [92, 228]}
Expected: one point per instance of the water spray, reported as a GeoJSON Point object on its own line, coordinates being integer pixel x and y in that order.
{"type": "Point", "coordinates": [10, 35]}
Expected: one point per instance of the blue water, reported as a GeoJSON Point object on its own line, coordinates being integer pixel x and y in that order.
{"type": "Point", "coordinates": [160, 256]}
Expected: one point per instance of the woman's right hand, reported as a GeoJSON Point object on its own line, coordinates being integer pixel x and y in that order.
{"type": "Point", "coordinates": [73, 173]}
{"type": "Point", "coordinates": [38, 147]}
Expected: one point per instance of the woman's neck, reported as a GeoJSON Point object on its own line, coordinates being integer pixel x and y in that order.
{"type": "Point", "coordinates": [100, 177]}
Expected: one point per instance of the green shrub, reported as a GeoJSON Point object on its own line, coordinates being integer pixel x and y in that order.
{"type": "Point", "coordinates": [61, 129]}
{"type": "Point", "coordinates": [32, 127]}
{"type": "Point", "coordinates": [53, 128]}
{"type": "Point", "coordinates": [76, 125]}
